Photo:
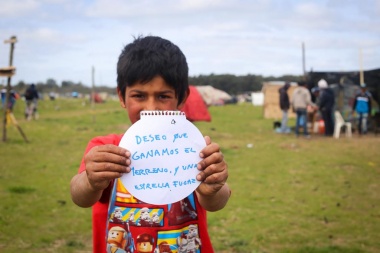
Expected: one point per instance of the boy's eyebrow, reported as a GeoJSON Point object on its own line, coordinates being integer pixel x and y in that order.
{"type": "Point", "coordinates": [166, 91]}
{"type": "Point", "coordinates": [144, 91]}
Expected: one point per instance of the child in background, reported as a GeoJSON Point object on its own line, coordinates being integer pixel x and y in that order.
{"type": "Point", "coordinates": [152, 74]}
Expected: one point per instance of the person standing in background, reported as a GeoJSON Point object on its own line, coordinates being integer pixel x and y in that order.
{"type": "Point", "coordinates": [362, 106]}
{"type": "Point", "coordinates": [301, 99]}
{"type": "Point", "coordinates": [284, 105]}
{"type": "Point", "coordinates": [31, 98]}
{"type": "Point", "coordinates": [13, 96]}
{"type": "Point", "coordinates": [326, 103]}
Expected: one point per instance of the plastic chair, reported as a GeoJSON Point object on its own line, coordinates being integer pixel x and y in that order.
{"type": "Point", "coordinates": [339, 123]}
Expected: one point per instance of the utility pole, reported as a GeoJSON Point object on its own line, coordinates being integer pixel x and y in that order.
{"type": "Point", "coordinates": [303, 61]}
{"type": "Point", "coordinates": [361, 67]}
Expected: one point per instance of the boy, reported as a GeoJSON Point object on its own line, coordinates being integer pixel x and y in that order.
{"type": "Point", "coordinates": [152, 74]}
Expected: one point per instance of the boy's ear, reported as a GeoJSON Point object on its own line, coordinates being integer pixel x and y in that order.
{"type": "Point", "coordinates": [187, 93]}
{"type": "Point", "coordinates": [121, 98]}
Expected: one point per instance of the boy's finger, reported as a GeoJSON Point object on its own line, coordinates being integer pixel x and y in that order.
{"type": "Point", "coordinates": [209, 149]}
{"type": "Point", "coordinates": [112, 158]}
{"type": "Point", "coordinates": [214, 158]}
{"type": "Point", "coordinates": [113, 149]}
{"type": "Point", "coordinates": [212, 178]}
{"type": "Point", "coordinates": [106, 167]}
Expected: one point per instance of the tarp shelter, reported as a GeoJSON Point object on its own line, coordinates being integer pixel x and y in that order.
{"type": "Point", "coordinates": [271, 107]}
{"type": "Point", "coordinates": [213, 96]}
{"type": "Point", "coordinates": [371, 79]}
{"type": "Point", "coordinates": [97, 98]}
{"type": "Point", "coordinates": [346, 86]}
{"type": "Point", "coordinates": [195, 108]}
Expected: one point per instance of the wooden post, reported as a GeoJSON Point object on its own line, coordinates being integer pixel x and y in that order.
{"type": "Point", "coordinates": [303, 61]}
{"type": "Point", "coordinates": [361, 68]}
{"type": "Point", "coordinates": [93, 95]}
{"type": "Point", "coordinates": [12, 41]}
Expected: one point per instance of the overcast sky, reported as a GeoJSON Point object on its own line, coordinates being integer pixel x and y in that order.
{"type": "Point", "coordinates": [63, 39]}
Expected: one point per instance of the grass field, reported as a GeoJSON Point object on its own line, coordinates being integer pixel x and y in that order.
{"type": "Point", "coordinates": [289, 195]}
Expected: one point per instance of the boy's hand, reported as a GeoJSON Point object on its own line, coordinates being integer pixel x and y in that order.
{"type": "Point", "coordinates": [213, 169]}
{"type": "Point", "coordinates": [105, 163]}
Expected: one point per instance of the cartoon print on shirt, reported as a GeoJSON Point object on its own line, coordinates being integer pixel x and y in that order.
{"type": "Point", "coordinates": [145, 243]}
{"type": "Point", "coordinates": [155, 219]}
{"type": "Point", "coordinates": [119, 240]}
{"type": "Point", "coordinates": [182, 243]}
{"type": "Point", "coordinates": [185, 240]}
{"type": "Point", "coordinates": [144, 219]}
{"type": "Point", "coordinates": [182, 211]}
{"type": "Point", "coordinates": [193, 241]}
{"type": "Point", "coordinates": [117, 215]}
{"type": "Point", "coordinates": [150, 217]}
{"type": "Point", "coordinates": [123, 195]}
{"type": "Point", "coordinates": [116, 241]}
{"type": "Point", "coordinates": [131, 219]}
{"type": "Point", "coordinates": [163, 247]}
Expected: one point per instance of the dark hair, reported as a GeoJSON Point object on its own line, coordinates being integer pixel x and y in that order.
{"type": "Point", "coordinates": [301, 83]}
{"type": "Point", "coordinates": [151, 56]}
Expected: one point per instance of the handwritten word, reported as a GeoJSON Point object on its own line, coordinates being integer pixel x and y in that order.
{"type": "Point", "coordinates": [149, 138]}
{"type": "Point", "coordinates": [154, 152]}
{"type": "Point", "coordinates": [190, 166]}
{"type": "Point", "coordinates": [189, 150]}
{"type": "Point", "coordinates": [183, 183]}
{"type": "Point", "coordinates": [147, 186]}
{"type": "Point", "coordinates": [151, 186]}
{"type": "Point", "coordinates": [180, 136]}
{"type": "Point", "coordinates": [145, 172]}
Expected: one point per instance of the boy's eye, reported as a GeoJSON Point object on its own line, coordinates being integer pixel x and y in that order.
{"type": "Point", "coordinates": [137, 95]}
{"type": "Point", "coordinates": [163, 96]}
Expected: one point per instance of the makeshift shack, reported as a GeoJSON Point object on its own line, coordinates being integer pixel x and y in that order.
{"type": "Point", "coordinates": [371, 79]}
{"type": "Point", "coordinates": [271, 106]}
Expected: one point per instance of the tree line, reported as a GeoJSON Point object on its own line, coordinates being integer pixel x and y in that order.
{"type": "Point", "coordinates": [231, 84]}
{"type": "Point", "coordinates": [235, 85]}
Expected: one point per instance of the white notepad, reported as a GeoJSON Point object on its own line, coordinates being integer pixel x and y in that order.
{"type": "Point", "coordinates": [164, 148]}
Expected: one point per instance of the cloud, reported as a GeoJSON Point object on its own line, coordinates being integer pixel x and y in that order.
{"type": "Point", "coordinates": [12, 9]}
{"type": "Point", "coordinates": [62, 39]}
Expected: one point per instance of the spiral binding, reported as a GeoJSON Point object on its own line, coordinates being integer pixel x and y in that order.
{"type": "Point", "coordinates": [159, 113]}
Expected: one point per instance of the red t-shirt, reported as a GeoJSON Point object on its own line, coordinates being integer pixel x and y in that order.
{"type": "Point", "coordinates": [178, 227]}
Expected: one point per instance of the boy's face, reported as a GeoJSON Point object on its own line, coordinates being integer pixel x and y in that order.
{"type": "Point", "coordinates": [153, 95]}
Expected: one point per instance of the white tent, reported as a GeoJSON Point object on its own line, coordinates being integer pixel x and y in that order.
{"type": "Point", "coordinates": [257, 98]}
{"type": "Point", "coordinates": [213, 96]}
